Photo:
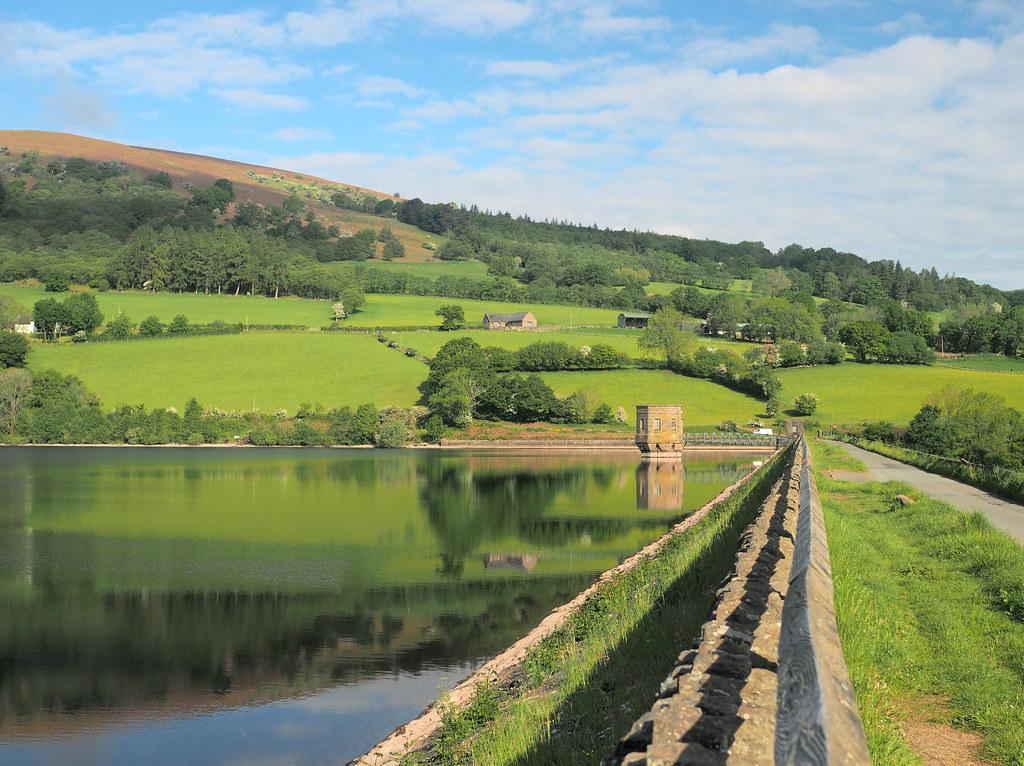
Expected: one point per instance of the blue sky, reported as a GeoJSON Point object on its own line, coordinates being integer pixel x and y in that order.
{"type": "Point", "coordinates": [891, 129]}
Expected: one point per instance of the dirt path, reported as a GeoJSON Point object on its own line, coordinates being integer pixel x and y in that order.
{"type": "Point", "coordinates": [1004, 515]}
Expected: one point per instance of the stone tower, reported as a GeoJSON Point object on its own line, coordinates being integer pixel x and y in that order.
{"type": "Point", "coordinates": [659, 429]}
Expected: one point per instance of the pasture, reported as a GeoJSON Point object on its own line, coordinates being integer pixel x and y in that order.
{"type": "Point", "coordinates": [851, 392]}
{"type": "Point", "coordinates": [433, 268]}
{"type": "Point", "coordinates": [380, 310]}
{"type": "Point", "coordinates": [705, 404]}
{"type": "Point", "coordinates": [984, 363]}
{"type": "Point", "coordinates": [277, 370]}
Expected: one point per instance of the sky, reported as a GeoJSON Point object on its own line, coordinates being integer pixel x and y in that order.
{"type": "Point", "coordinates": [889, 129]}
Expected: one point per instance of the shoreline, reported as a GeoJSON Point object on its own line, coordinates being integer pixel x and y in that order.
{"type": "Point", "coordinates": [513, 446]}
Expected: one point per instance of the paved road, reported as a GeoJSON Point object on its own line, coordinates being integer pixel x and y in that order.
{"type": "Point", "coordinates": [1004, 515]}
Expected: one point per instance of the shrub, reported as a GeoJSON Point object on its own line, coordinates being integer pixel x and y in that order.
{"type": "Point", "coordinates": [806, 404]}
{"type": "Point", "coordinates": [178, 325]}
{"type": "Point", "coordinates": [791, 353]}
{"type": "Point", "coordinates": [150, 327]}
{"type": "Point", "coordinates": [393, 433]}
{"type": "Point", "coordinates": [56, 282]}
{"type": "Point", "coordinates": [434, 429]}
{"type": "Point", "coordinates": [603, 413]}
{"type": "Point", "coordinates": [120, 328]}
{"type": "Point", "coordinates": [13, 349]}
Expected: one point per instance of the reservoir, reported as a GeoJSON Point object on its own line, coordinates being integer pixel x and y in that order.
{"type": "Point", "coordinates": [266, 606]}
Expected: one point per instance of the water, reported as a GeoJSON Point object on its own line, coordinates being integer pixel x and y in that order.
{"type": "Point", "coordinates": [174, 606]}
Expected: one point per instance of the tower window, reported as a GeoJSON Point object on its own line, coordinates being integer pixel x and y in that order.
{"type": "Point", "coordinates": [657, 424]}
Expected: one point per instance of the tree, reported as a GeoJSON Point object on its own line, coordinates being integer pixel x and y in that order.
{"type": "Point", "coordinates": [160, 179]}
{"type": "Point", "coordinates": [456, 398]}
{"type": "Point", "coordinates": [120, 328]}
{"type": "Point", "coordinates": [806, 404]}
{"type": "Point", "coordinates": [178, 325]}
{"type": "Point", "coordinates": [865, 339]}
{"type": "Point", "coordinates": [83, 312]}
{"type": "Point", "coordinates": [452, 316]}
{"type": "Point", "coordinates": [393, 249]}
{"type": "Point", "coordinates": [669, 333]}
{"type": "Point", "coordinates": [13, 349]}
{"type": "Point", "coordinates": [352, 299]}
{"type": "Point", "coordinates": [50, 317]}
{"type": "Point", "coordinates": [151, 327]}
{"type": "Point", "coordinates": [3, 196]}
{"type": "Point", "coordinates": [928, 432]}
{"type": "Point", "coordinates": [15, 389]}
{"type": "Point", "coordinates": [906, 348]}
{"type": "Point", "coordinates": [791, 353]}
{"type": "Point", "coordinates": [56, 282]}
{"type": "Point", "coordinates": [771, 282]}
{"type": "Point", "coordinates": [394, 432]}
{"type": "Point", "coordinates": [434, 429]}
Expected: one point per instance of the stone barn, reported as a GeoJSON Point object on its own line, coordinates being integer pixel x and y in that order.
{"type": "Point", "coordinates": [634, 321]}
{"type": "Point", "coordinates": [520, 320]}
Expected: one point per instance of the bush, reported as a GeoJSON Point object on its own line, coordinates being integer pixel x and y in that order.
{"type": "Point", "coordinates": [728, 426]}
{"type": "Point", "coordinates": [791, 354]}
{"type": "Point", "coordinates": [434, 429]}
{"type": "Point", "coordinates": [806, 404]}
{"type": "Point", "coordinates": [151, 327]}
{"type": "Point", "coordinates": [178, 325]}
{"type": "Point", "coordinates": [13, 349]}
{"type": "Point", "coordinates": [57, 282]}
{"type": "Point", "coordinates": [603, 414]}
{"type": "Point", "coordinates": [393, 433]}
{"type": "Point", "coordinates": [119, 329]}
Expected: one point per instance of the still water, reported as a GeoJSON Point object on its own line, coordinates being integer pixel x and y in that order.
{"type": "Point", "coordinates": [174, 606]}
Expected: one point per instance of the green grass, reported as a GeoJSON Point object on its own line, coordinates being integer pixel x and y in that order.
{"type": "Point", "coordinates": [433, 269]}
{"type": "Point", "coordinates": [379, 310]}
{"type": "Point", "coordinates": [930, 604]}
{"type": "Point", "coordinates": [584, 685]}
{"type": "Point", "coordinates": [852, 393]}
{"type": "Point", "coordinates": [417, 310]}
{"type": "Point", "coordinates": [281, 369]}
{"type": "Point", "coordinates": [428, 343]}
{"type": "Point", "coordinates": [984, 363]}
{"type": "Point", "coordinates": [705, 404]}
{"type": "Point", "coordinates": [137, 305]}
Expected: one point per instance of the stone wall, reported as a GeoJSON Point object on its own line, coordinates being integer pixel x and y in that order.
{"type": "Point", "coordinates": [766, 681]}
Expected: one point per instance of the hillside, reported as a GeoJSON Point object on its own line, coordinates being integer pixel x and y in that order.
{"type": "Point", "coordinates": [258, 184]}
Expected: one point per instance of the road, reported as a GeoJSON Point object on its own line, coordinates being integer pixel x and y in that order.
{"type": "Point", "coordinates": [1004, 515]}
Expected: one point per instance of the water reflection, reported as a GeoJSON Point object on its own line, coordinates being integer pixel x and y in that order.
{"type": "Point", "coordinates": [205, 588]}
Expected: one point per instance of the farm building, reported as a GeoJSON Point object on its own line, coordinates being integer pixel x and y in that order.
{"type": "Point", "coordinates": [26, 329]}
{"type": "Point", "coordinates": [637, 320]}
{"type": "Point", "coordinates": [520, 320]}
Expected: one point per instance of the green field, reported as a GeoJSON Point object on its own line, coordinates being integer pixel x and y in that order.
{"type": "Point", "coordinates": [705, 404]}
{"type": "Point", "coordinates": [227, 371]}
{"type": "Point", "coordinates": [985, 363]}
{"type": "Point", "coordinates": [851, 393]}
{"type": "Point", "coordinates": [427, 343]}
{"type": "Point", "coordinates": [379, 310]}
{"type": "Point", "coordinates": [433, 269]}
{"type": "Point", "coordinates": [414, 310]}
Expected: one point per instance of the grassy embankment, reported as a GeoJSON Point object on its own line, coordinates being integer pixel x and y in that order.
{"type": "Point", "coordinates": [930, 604]}
{"type": "Point", "coordinates": [585, 684]}
{"type": "Point", "coordinates": [984, 363]}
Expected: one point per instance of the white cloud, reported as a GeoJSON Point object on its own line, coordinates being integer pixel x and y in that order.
{"type": "Point", "coordinates": [301, 134]}
{"type": "Point", "coordinates": [910, 151]}
{"type": "Point", "coordinates": [908, 23]}
{"type": "Point", "coordinates": [387, 86]}
{"type": "Point", "coordinates": [602, 21]}
{"type": "Point", "coordinates": [252, 98]}
{"type": "Point", "coordinates": [534, 69]}
{"type": "Point", "coordinates": [780, 40]}
{"type": "Point", "coordinates": [338, 70]}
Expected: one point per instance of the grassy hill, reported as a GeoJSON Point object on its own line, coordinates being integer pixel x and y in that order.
{"type": "Point", "coordinates": [253, 183]}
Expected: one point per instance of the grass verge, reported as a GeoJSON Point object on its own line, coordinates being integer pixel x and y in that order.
{"type": "Point", "coordinates": [930, 603]}
{"type": "Point", "coordinates": [582, 687]}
